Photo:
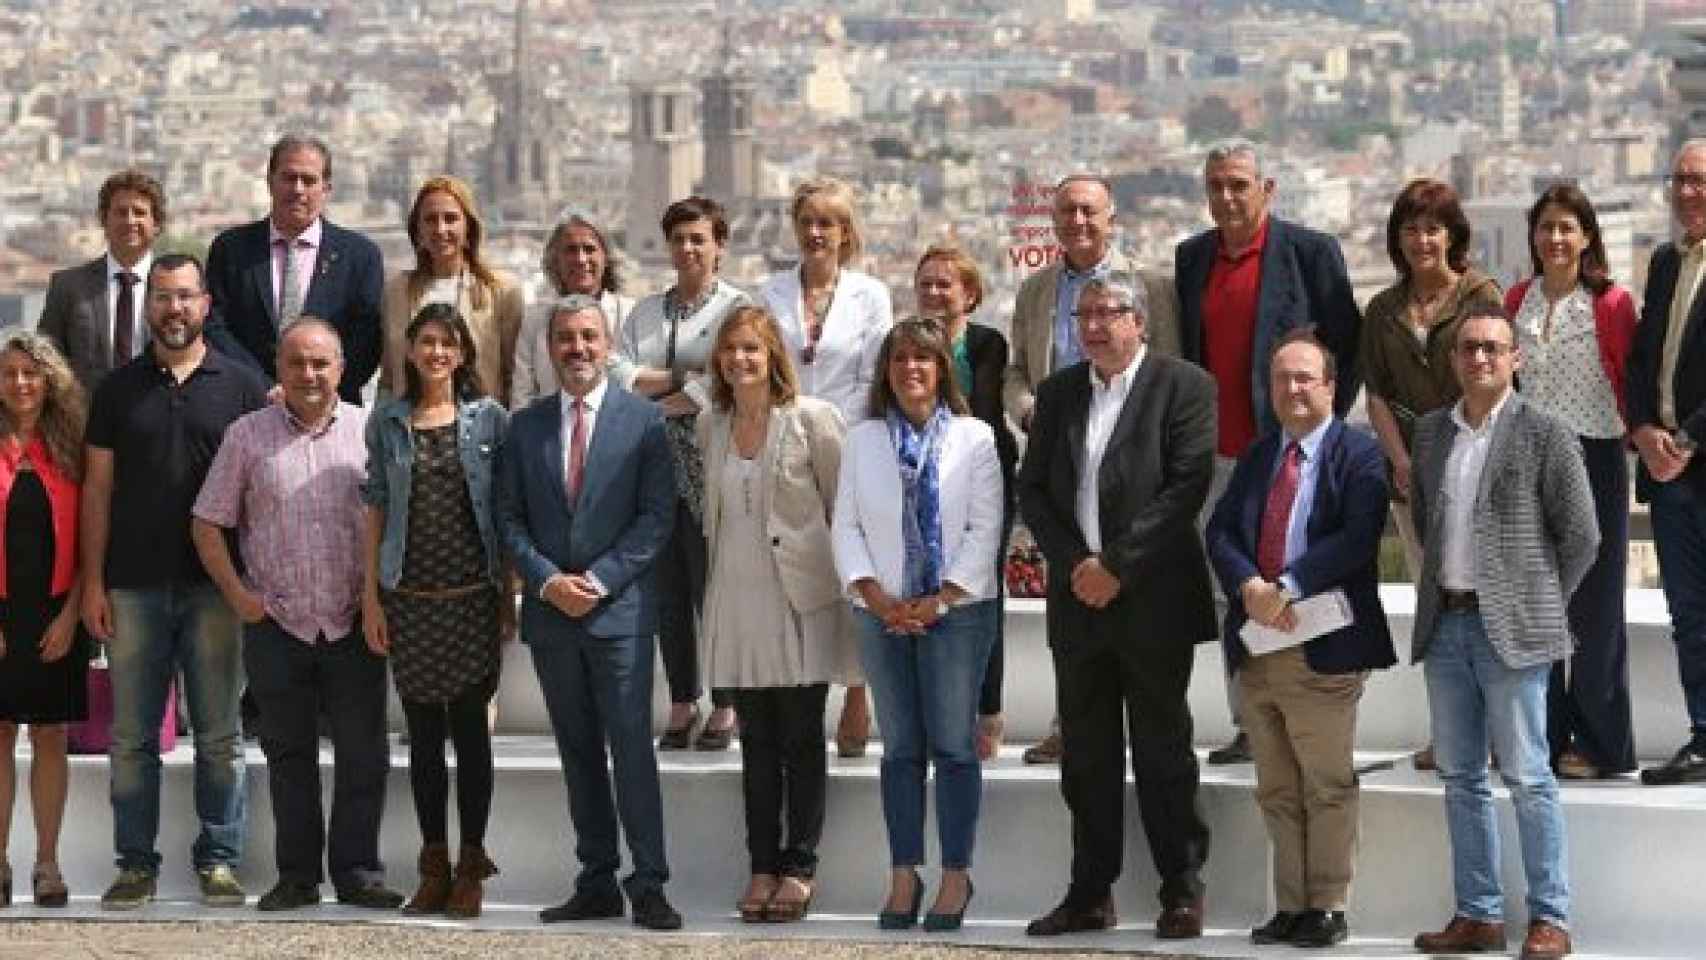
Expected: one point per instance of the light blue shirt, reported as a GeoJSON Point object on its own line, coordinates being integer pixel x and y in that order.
{"type": "Point", "coordinates": [1067, 349]}
{"type": "Point", "coordinates": [1296, 532]}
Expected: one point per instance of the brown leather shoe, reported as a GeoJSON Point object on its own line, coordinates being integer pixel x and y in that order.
{"type": "Point", "coordinates": [1181, 921]}
{"type": "Point", "coordinates": [435, 881]}
{"type": "Point", "coordinates": [1423, 759]}
{"type": "Point", "coordinates": [468, 893]}
{"type": "Point", "coordinates": [1463, 935]}
{"type": "Point", "coordinates": [1070, 917]}
{"type": "Point", "coordinates": [1046, 750]}
{"type": "Point", "coordinates": [1545, 941]}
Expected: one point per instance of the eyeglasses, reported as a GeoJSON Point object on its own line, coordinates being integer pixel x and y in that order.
{"type": "Point", "coordinates": [1470, 349]}
{"type": "Point", "coordinates": [1103, 315]}
{"type": "Point", "coordinates": [1687, 182]}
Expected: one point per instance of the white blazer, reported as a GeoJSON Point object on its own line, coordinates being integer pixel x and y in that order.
{"type": "Point", "coordinates": [866, 530]}
{"type": "Point", "coordinates": [846, 355]}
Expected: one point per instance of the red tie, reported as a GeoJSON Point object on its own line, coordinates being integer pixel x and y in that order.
{"type": "Point", "coordinates": [577, 450]}
{"type": "Point", "coordinates": [124, 323]}
{"type": "Point", "coordinates": [1276, 516]}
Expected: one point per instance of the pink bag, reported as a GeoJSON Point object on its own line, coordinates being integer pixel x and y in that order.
{"type": "Point", "coordinates": [95, 735]}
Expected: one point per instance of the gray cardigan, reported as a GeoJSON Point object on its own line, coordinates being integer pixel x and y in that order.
{"type": "Point", "coordinates": [1535, 531]}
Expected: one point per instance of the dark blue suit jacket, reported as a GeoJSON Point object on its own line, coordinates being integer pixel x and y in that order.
{"type": "Point", "coordinates": [1343, 549]}
{"type": "Point", "coordinates": [1689, 382]}
{"type": "Point", "coordinates": [624, 517]}
{"type": "Point", "coordinates": [1303, 282]}
{"type": "Point", "coordinates": [349, 276]}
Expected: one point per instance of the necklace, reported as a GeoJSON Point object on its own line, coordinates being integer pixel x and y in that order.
{"type": "Point", "coordinates": [678, 310]}
{"type": "Point", "coordinates": [817, 310]}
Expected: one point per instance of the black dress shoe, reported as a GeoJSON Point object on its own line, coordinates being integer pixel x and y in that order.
{"type": "Point", "coordinates": [373, 896]}
{"type": "Point", "coordinates": [1277, 929]}
{"type": "Point", "coordinates": [1075, 917]}
{"type": "Point", "coordinates": [1238, 751]}
{"type": "Point", "coordinates": [1320, 928]}
{"type": "Point", "coordinates": [653, 912]}
{"type": "Point", "coordinates": [288, 895]}
{"type": "Point", "coordinates": [1688, 766]}
{"type": "Point", "coordinates": [605, 905]}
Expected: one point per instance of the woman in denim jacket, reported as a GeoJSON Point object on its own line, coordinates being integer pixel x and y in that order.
{"type": "Point", "coordinates": [436, 599]}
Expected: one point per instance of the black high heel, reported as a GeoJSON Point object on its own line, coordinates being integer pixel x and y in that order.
{"type": "Point", "coordinates": [941, 922]}
{"type": "Point", "coordinates": [904, 919]}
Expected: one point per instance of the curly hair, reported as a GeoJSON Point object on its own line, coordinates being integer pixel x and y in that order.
{"type": "Point", "coordinates": [63, 407]}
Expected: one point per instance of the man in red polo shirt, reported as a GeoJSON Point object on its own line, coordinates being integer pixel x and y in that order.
{"type": "Point", "coordinates": [1242, 286]}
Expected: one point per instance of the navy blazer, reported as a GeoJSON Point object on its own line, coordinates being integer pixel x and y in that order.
{"type": "Point", "coordinates": [1303, 282]}
{"type": "Point", "coordinates": [1689, 382]}
{"type": "Point", "coordinates": [1343, 548]}
{"type": "Point", "coordinates": [349, 277]}
{"type": "Point", "coordinates": [623, 520]}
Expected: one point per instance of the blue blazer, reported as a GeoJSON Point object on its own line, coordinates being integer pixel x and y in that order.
{"type": "Point", "coordinates": [1343, 549]}
{"type": "Point", "coordinates": [623, 520]}
{"type": "Point", "coordinates": [1303, 282]}
{"type": "Point", "coordinates": [349, 276]}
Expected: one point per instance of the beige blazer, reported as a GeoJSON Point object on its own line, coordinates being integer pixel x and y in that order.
{"type": "Point", "coordinates": [495, 326]}
{"type": "Point", "coordinates": [1031, 335]}
{"type": "Point", "coordinates": [802, 461]}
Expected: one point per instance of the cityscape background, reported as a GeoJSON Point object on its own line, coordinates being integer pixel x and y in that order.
{"type": "Point", "coordinates": [950, 117]}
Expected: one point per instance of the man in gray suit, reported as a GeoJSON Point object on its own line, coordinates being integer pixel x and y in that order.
{"type": "Point", "coordinates": [82, 301]}
{"type": "Point", "coordinates": [1508, 531]}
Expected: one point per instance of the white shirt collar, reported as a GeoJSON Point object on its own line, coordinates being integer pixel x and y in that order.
{"type": "Point", "coordinates": [1492, 415]}
{"type": "Point", "coordinates": [594, 398]}
{"type": "Point", "coordinates": [141, 268]}
{"type": "Point", "coordinates": [309, 237]}
{"type": "Point", "coordinates": [1310, 442]}
{"type": "Point", "coordinates": [1119, 382]}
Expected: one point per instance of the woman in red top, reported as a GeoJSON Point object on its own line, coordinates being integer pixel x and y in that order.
{"type": "Point", "coordinates": [43, 667]}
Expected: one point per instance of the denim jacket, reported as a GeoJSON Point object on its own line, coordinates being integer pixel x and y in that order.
{"type": "Point", "coordinates": [480, 427]}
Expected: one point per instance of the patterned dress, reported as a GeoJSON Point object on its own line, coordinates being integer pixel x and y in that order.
{"type": "Point", "coordinates": [442, 646]}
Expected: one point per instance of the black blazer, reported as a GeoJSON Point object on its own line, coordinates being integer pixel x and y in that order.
{"type": "Point", "coordinates": [1346, 519]}
{"type": "Point", "coordinates": [349, 277]}
{"type": "Point", "coordinates": [76, 318]}
{"type": "Point", "coordinates": [1303, 282]}
{"type": "Point", "coordinates": [987, 349]}
{"type": "Point", "coordinates": [1154, 478]}
{"type": "Point", "coordinates": [1688, 385]}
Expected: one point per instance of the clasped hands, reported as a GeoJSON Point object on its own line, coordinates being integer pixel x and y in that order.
{"type": "Point", "coordinates": [572, 593]}
{"type": "Point", "coordinates": [912, 616]}
{"type": "Point", "coordinates": [1268, 604]}
{"type": "Point", "coordinates": [1093, 584]}
{"type": "Point", "coordinates": [1664, 458]}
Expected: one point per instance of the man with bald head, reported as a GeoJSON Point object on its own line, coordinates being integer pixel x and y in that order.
{"type": "Point", "coordinates": [1666, 399]}
{"type": "Point", "coordinates": [288, 479]}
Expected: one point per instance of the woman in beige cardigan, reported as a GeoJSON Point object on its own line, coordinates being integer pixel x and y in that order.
{"type": "Point", "coordinates": [445, 231]}
{"type": "Point", "coordinates": [776, 630]}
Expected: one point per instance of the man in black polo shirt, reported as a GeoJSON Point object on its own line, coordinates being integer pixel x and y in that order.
{"type": "Point", "coordinates": [154, 427]}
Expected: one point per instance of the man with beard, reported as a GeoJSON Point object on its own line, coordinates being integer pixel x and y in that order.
{"type": "Point", "coordinates": [585, 533]}
{"type": "Point", "coordinates": [154, 427]}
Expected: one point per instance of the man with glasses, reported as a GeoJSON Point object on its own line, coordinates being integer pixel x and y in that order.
{"type": "Point", "coordinates": [1666, 397]}
{"type": "Point", "coordinates": [1241, 286]}
{"type": "Point", "coordinates": [1120, 459]}
{"type": "Point", "coordinates": [1501, 496]}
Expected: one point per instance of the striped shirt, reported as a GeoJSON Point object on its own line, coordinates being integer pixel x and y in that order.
{"type": "Point", "coordinates": [294, 498]}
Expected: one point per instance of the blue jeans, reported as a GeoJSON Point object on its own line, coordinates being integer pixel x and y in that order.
{"type": "Point", "coordinates": [1474, 697]}
{"type": "Point", "coordinates": [159, 632]}
{"type": "Point", "coordinates": [596, 690]}
{"type": "Point", "coordinates": [926, 691]}
{"type": "Point", "coordinates": [1679, 536]}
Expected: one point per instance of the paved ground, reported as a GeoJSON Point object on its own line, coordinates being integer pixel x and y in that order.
{"type": "Point", "coordinates": [95, 940]}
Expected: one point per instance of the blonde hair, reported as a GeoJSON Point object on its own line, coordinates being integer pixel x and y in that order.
{"type": "Point", "coordinates": [970, 276]}
{"type": "Point", "coordinates": [836, 198]}
{"type": "Point", "coordinates": [485, 279]}
{"type": "Point", "coordinates": [63, 407]}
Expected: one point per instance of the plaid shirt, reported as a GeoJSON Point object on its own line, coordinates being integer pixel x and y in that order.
{"type": "Point", "coordinates": [294, 498]}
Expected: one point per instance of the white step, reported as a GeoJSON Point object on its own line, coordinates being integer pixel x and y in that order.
{"type": "Point", "coordinates": [1635, 852]}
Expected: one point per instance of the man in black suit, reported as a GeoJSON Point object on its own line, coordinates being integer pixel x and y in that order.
{"type": "Point", "coordinates": [83, 300]}
{"type": "Point", "coordinates": [1666, 398]}
{"type": "Point", "coordinates": [1119, 463]}
{"type": "Point", "coordinates": [1241, 286]}
{"type": "Point", "coordinates": [264, 274]}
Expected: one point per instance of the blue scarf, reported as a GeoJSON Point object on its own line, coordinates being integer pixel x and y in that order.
{"type": "Point", "coordinates": [921, 498]}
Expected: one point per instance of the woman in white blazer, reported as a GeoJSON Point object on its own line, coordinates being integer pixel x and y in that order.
{"type": "Point", "coordinates": [577, 260]}
{"type": "Point", "coordinates": [833, 319]}
{"type": "Point", "coordinates": [776, 628]}
{"type": "Point", "coordinates": [916, 530]}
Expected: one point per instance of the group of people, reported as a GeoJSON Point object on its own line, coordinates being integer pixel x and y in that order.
{"type": "Point", "coordinates": [792, 490]}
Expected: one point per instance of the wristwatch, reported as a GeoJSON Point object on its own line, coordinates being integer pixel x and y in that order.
{"type": "Point", "coordinates": [942, 607]}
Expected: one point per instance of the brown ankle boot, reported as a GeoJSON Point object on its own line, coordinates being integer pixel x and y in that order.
{"type": "Point", "coordinates": [435, 881]}
{"type": "Point", "coordinates": [472, 868]}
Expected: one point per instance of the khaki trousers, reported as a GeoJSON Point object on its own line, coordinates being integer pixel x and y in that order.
{"type": "Point", "coordinates": [1302, 725]}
